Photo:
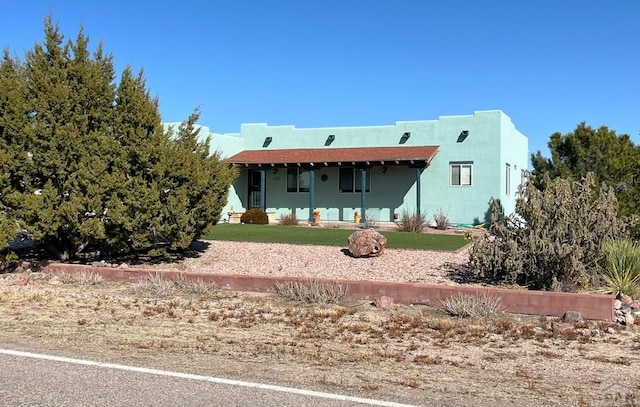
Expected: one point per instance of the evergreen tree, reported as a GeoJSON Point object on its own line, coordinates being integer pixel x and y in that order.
{"type": "Point", "coordinates": [611, 158]}
{"type": "Point", "coordinates": [87, 163]}
{"type": "Point", "coordinates": [14, 158]}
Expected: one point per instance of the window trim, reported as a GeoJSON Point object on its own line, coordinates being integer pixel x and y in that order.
{"type": "Point", "coordinates": [460, 165]}
{"type": "Point", "coordinates": [507, 175]}
{"type": "Point", "coordinates": [354, 178]}
{"type": "Point", "coordinates": [298, 174]}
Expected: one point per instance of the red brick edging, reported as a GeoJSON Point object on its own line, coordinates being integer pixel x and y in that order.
{"type": "Point", "coordinates": [591, 306]}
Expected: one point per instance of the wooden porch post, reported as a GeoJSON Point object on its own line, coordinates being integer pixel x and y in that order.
{"type": "Point", "coordinates": [418, 188]}
{"type": "Point", "coordinates": [363, 191]}
{"type": "Point", "coordinates": [312, 192]}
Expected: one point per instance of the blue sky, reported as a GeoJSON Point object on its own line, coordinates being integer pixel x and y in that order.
{"type": "Point", "coordinates": [548, 64]}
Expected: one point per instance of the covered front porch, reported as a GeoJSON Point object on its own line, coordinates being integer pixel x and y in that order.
{"type": "Point", "coordinates": [343, 184]}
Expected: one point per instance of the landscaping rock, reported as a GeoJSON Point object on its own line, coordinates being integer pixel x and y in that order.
{"type": "Point", "coordinates": [366, 243]}
{"type": "Point", "coordinates": [382, 301]}
{"type": "Point", "coordinates": [624, 309]}
{"type": "Point", "coordinates": [624, 298]}
{"type": "Point", "coordinates": [572, 316]}
{"type": "Point", "coordinates": [629, 319]}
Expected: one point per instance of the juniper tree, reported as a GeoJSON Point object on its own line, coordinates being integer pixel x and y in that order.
{"type": "Point", "coordinates": [90, 162]}
{"type": "Point", "coordinates": [12, 120]}
{"type": "Point", "coordinates": [556, 238]}
{"type": "Point", "coordinates": [612, 158]}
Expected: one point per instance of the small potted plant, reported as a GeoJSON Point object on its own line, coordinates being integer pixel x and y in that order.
{"type": "Point", "coordinates": [356, 217]}
{"type": "Point", "coordinates": [316, 216]}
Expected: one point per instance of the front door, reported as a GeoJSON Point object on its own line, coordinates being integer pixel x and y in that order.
{"type": "Point", "coordinates": [254, 189]}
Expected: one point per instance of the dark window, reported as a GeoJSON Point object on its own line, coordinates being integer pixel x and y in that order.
{"type": "Point", "coordinates": [351, 180]}
{"type": "Point", "coordinates": [298, 180]}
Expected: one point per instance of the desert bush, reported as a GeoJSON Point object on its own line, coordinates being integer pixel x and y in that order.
{"type": "Point", "coordinates": [622, 271]}
{"type": "Point", "coordinates": [472, 305]}
{"type": "Point", "coordinates": [255, 216]}
{"type": "Point", "coordinates": [412, 222]}
{"type": "Point", "coordinates": [555, 239]}
{"type": "Point", "coordinates": [289, 219]}
{"type": "Point", "coordinates": [312, 292]}
{"type": "Point", "coordinates": [441, 219]}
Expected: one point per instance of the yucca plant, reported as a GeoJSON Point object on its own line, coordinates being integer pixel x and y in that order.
{"type": "Point", "coordinates": [622, 271]}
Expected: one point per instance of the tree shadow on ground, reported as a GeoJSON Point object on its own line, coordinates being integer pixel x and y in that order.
{"type": "Point", "coordinates": [38, 258]}
{"type": "Point", "coordinates": [463, 274]}
{"type": "Point", "coordinates": [195, 250]}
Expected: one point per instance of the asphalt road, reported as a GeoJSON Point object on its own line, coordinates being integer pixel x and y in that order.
{"type": "Point", "coordinates": [30, 379]}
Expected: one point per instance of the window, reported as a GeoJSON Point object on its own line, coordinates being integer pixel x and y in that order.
{"type": "Point", "coordinates": [524, 177]}
{"type": "Point", "coordinates": [461, 174]}
{"type": "Point", "coordinates": [351, 180]}
{"type": "Point", "coordinates": [298, 180]}
{"type": "Point", "coordinates": [507, 173]}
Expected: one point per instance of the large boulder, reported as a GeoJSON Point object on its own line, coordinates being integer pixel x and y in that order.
{"type": "Point", "coordinates": [365, 243]}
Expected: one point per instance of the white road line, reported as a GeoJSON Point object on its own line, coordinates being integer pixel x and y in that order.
{"type": "Point", "coordinates": [190, 376]}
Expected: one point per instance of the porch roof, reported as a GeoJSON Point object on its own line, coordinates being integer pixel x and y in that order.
{"type": "Point", "coordinates": [335, 157]}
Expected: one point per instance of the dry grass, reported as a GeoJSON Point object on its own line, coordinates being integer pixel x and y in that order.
{"type": "Point", "coordinates": [83, 277]}
{"type": "Point", "coordinates": [311, 292]}
{"type": "Point", "coordinates": [472, 305]}
{"type": "Point", "coordinates": [406, 354]}
{"type": "Point", "coordinates": [158, 285]}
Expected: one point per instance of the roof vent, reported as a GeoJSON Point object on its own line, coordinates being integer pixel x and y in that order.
{"type": "Point", "coordinates": [329, 140]}
{"type": "Point", "coordinates": [463, 135]}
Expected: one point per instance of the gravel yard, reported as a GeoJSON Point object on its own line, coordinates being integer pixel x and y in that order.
{"type": "Point", "coordinates": [284, 260]}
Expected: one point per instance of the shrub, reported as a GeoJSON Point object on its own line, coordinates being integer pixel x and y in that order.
{"type": "Point", "coordinates": [255, 216]}
{"type": "Point", "coordinates": [476, 305]}
{"type": "Point", "coordinates": [622, 271]}
{"type": "Point", "coordinates": [312, 292]}
{"type": "Point", "coordinates": [289, 219]}
{"type": "Point", "coordinates": [441, 219]}
{"type": "Point", "coordinates": [556, 238]}
{"type": "Point", "coordinates": [412, 222]}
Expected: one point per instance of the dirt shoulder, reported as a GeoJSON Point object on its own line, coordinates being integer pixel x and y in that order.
{"type": "Point", "coordinates": [415, 355]}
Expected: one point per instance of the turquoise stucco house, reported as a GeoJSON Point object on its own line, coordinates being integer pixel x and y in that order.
{"type": "Point", "coordinates": [454, 164]}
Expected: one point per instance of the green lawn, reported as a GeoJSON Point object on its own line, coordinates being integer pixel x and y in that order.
{"type": "Point", "coordinates": [329, 236]}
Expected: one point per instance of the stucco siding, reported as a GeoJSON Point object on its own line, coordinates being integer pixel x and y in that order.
{"type": "Point", "coordinates": [491, 143]}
